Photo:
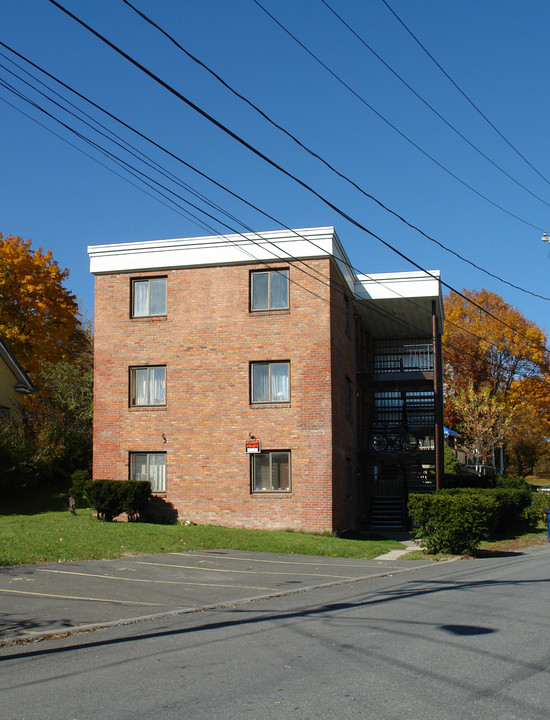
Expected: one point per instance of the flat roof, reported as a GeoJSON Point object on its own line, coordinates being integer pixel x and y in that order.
{"type": "Point", "coordinates": [389, 302]}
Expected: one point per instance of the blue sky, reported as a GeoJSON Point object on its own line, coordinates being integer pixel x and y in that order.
{"type": "Point", "coordinates": [495, 50]}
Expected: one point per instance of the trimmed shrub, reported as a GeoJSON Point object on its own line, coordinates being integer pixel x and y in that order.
{"type": "Point", "coordinates": [106, 498]}
{"type": "Point", "coordinates": [510, 503]}
{"type": "Point", "coordinates": [534, 513]}
{"type": "Point", "coordinates": [451, 465]}
{"type": "Point", "coordinates": [110, 498]}
{"type": "Point", "coordinates": [512, 481]}
{"type": "Point", "coordinates": [468, 481]}
{"type": "Point", "coordinates": [135, 495]}
{"type": "Point", "coordinates": [452, 522]}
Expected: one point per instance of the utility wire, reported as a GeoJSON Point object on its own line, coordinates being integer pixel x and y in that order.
{"type": "Point", "coordinates": [426, 103]}
{"type": "Point", "coordinates": [150, 182]}
{"type": "Point", "coordinates": [274, 164]}
{"type": "Point", "coordinates": [464, 95]}
{"type": "Point", "coordinates": [405, 137]}
{"type": "Point", "coordinates": [325, 162]}
{"type": "Point", "coordinates": [141, 177]}
{"type": "Point", "coordinates": [336, 284]}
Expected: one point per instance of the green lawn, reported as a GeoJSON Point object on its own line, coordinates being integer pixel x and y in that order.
{"type": "Point", "coordinates": [52, 536]}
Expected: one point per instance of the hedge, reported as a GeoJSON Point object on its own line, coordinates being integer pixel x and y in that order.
{"type": "Point", "coordinates": [511, 501]}
{"type": "Point", "coordinates": [452, 522]}
{"type": "Point", "coordinates": [110, 498]}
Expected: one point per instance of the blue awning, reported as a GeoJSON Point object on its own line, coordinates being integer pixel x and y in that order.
{"type": "Point", "coordinates": [447, 431]}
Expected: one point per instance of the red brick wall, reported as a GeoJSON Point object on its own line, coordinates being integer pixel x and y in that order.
{"type": "Point", "coordinates": [206, 342]}
{"type": "Point", "coordinates": [344, 423]}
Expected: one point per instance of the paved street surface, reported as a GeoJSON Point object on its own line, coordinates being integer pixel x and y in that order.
{"type": "Point", "coordinates": [53, 598]}
{"type": "Point", "coordinates": [468, 640]}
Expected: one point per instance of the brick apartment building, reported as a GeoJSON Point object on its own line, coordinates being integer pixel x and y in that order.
{"type": "Point", "coordinates": [271, 341]}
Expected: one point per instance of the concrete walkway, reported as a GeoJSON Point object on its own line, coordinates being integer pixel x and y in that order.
{"type": "Point", "coordinates": [409, 545]}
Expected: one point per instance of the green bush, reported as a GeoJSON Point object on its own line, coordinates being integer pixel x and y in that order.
{"type": "Point", "coordinates": [512, 481]}
{"type": "Point", "coordinates": [135, 495]}
{"type": "Point", "coordinates": [510, 501]}
{"type": "Point", "coordinates": [534, 513]}
{"type": "Point", "coordinates": [452, 522]}
{"type": "Point", "coordinates": [106, 498]}
{"type": "Point", "coordinates": [80, 488]}
{"type": "Point", "coordinates": [467, 480]}
{"type": "Point", "coordinates": [110, 498]}
{"type": "Point", "coordinates": [451, 465]}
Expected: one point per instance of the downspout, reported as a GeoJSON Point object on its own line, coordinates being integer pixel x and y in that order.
{"type": "Point", "coordinates": [438, 399]}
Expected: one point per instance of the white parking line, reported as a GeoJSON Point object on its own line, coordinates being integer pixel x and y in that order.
{"type": "Point", "coordinates": [76, 597]}
{"type": "Point", "coordinates": [252, 572]}
{"type": "Point", "coordinates": [262, 560]}
{"type": "Point", "coordinates": [144, 580]}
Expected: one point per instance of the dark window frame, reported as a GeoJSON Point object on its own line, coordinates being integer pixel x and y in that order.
{"type": "Point", "coordinates": [148, 279]}
{"type": "Point", "coordinates": [270, 273]}
{"type": "Point", "coordinates": [269, 363]}
{"type": "Point", "coordinates": [132, 380]}
{"type": "Point", "coordinates": [278, 491]}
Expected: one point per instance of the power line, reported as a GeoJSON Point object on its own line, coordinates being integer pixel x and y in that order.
{"type": "Point", "coordinates": [426, 103]}
{"type": "Point", "coordinates": [338, 285]}
{"type": "Point", "coordinates": [464, 95]}
{"type": "Point", "coordinates": [394, 127]}
{"type": "Point", "coordinates": [274, 164]}
{"type": "Point", "coordinates": [145, 178]}
{"type": "Point", "coordinates": [323, 160]}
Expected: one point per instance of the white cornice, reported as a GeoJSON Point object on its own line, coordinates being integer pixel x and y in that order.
{"type": "Point", "coordinates": [272, 246]}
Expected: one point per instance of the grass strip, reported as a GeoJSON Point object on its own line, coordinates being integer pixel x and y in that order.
{"type": "Point", "coordinates": [60, 536]}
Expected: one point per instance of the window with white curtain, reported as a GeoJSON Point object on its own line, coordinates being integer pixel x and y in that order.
{"type": "Point", "coordinates": [270, 382]}
{"type": "Point", "coordinates": [151, 467]}
{"type": "Point", "coordinates": [147, 386]}
{"type": "Point", "coordinates": [269, 289]}
{"type": "Point", "coordinates": [271, 471]}
{"type": "Point", "coordinates": [148, 297]}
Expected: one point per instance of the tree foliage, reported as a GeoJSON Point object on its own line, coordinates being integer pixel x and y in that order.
{"type": "Point", "coordinates": [51, 435]}
{"type": "Point", "coordinates": [39, 317]}
{"type": "Point", "coordinates": [497, 378]}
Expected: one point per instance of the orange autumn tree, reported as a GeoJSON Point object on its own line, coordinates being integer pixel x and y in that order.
{"type": "Point", "coordinates": [507, 362]}
{"type": "Point", "coordinates": [39, 317]}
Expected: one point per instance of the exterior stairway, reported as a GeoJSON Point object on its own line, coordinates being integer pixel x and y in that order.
{"type": "Point", "coordinates": [386, 512]}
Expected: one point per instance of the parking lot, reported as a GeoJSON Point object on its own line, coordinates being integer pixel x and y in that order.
{"type": "Point", "coordinates": [39, 600]}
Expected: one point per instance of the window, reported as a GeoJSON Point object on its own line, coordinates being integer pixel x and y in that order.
{"type": "Point", "coordinates": [270, 382]}
{"type": "Point", "coordinates": [151, 467]}
{"type": "Point", "coordinates": [269, 290]}
{"type": "Point", "coordinates": [148, 297]}
{"type": "Point", "coordinates": [271, 471]}
{"type": "Point", "coordinates": [147, 386]}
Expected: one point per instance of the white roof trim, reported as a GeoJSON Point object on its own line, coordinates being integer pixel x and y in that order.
{"type": "Point", "coordinates": [23, 385]}
{"type": "Point", "coordinates": [264, 247]}
{"type": "Point", "coordinates": [272, 246]}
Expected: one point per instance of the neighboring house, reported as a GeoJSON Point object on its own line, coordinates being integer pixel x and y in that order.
{"type": "Point", "coordinates": [13, 381]}
{"type": "Point", "coordinates": [258, 382]}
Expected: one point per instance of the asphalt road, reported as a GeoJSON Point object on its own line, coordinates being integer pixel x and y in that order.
{"type": "Point", "coordinates": [463, 640]}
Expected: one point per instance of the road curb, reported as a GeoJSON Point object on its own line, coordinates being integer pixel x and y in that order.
{"type": "Point", "coordinates": [92, 627]}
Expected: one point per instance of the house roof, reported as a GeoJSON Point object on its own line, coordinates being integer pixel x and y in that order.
{"type": "Point", "coordinates": [24, 385]}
